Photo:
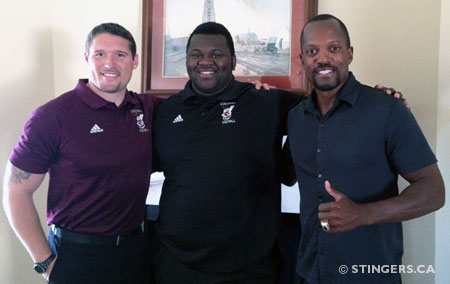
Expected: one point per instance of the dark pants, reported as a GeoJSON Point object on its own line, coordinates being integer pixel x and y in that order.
{"type": "Point", "coordinates": [77, 263]}
{"type": "Point", "coordinates": [288, 242]}
{"type": "Point", "coordinates": [167, 269]}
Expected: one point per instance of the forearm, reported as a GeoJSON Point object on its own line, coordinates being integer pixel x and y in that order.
{"type": "Point", "coordinates": [424, 195]}
{"type": "Point", "coordinates": [287, 168]}
{"type": "Point", "coordinates": [22, 215]}
{"type": "Point", "coordinates": [25, 221]}
{"type": "Point", "coordinates": [288, 175]}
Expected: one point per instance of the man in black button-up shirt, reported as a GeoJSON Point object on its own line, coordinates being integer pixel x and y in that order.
{"type": "Point", "coordinates": [349, 143]}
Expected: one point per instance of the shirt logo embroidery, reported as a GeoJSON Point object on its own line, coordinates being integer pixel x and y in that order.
{"type": "Point", "coordinates": [139, 119]}
{"type": "Point", "coordinates": [96, 129]}
{"type": "Point", "coordinates": [140, 122]}
{"type": "Point", "coordinates": [227, 112]}
{"type": "Point", "coordinates": [178, 119]}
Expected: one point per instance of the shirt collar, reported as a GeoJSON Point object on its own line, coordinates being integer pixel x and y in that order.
{"type": "Point", "coordinates": [348, 94]}
{"type": "Point", "coordinates": [93, 100]}
{"type": "Point", "coordinates": [232, 92]}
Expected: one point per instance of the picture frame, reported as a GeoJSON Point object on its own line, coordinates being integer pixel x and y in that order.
{"type": "Point", "coordinates": [161, 51]}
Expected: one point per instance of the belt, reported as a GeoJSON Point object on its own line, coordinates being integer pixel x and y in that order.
{"type": "Point", "coordinates": [93, 239]}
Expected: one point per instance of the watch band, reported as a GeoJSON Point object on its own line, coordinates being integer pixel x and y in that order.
{"type": "Point", "coordinates": [41, 267]}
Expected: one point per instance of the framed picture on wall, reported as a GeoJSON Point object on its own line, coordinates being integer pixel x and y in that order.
{"type": "Point", "coordinates": [266, 35]}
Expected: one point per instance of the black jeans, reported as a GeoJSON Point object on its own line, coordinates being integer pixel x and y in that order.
{"type": "Point", "coordinates": [77, 263]}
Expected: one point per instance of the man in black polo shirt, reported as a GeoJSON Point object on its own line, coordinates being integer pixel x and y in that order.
{"type": "Point", "coordinates": [218, 142]}
{"type": "Point", "coordinates": [349, 142]}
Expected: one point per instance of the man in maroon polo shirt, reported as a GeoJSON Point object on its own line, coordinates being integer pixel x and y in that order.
{"type": "Point", "coordinates": [95, 142]}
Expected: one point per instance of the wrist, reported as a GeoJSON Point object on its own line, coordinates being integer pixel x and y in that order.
{"type": "Point", "coordinates": [368, 214]}
{"type": "Point", "coordinates": [41, 267]}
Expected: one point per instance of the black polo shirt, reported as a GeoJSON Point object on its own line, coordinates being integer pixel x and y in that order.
{"type": "Point", "coordinates": [220, 202]}
{"type": "Point", "coordinates": [361, 145]}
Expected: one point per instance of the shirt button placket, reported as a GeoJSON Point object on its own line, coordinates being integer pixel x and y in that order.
{"type": "Point", "coordinates": [319, 157]}
{"type": "Point", "coordinates": [320, 162]}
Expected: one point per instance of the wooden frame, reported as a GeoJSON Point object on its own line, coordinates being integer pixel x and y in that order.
{"type": "Point", "coordinates": [154, 82]}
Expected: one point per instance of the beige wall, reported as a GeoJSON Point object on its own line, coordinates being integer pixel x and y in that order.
{"type": "Point", "coordinates": [26, 81]}
{"type": "Point", "coordinates": [443, 146]}
{"type": "Point", "coordinates": [396, 42]}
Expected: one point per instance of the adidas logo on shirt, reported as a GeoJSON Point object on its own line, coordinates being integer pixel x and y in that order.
{"type": "Point", "coordinates": [96, 129]}
{"type": "Point", "coordinates": [178, 119]}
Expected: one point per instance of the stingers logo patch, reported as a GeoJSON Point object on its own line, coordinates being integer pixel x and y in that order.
{"type": "Point", "coordinates": [228, 112]}
{"type": "Point", "coordinates": [139, 120]}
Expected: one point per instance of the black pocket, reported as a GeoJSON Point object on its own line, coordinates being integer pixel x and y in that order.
{"type": "Point", "coordinates": [54, 279]}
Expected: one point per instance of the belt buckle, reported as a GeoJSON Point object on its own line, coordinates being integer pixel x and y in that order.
{"type": "Point", "coordinates": [54, 230]}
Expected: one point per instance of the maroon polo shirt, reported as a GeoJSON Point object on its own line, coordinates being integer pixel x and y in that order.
{"type": "Point", "coordinates": [98, 157]}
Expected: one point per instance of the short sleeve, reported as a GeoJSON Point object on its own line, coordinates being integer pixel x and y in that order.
{"type": "Point", "coordinates": [407, 147]}
{"type": "Point", "coordinates": [37, 147]}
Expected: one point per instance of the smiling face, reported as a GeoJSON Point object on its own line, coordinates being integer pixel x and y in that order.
{"type": "Point", "coordinates": [326, 55]}
{"type": "Point", "coordinates": [209, 63]}
{"type": "Point", "coordinates": [110, 64]}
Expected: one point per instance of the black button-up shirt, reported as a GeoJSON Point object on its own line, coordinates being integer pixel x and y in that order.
{"type": "Point", "coordinates": [360, 145]}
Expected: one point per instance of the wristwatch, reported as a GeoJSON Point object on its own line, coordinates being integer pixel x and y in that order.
{"type": "Point", "coordinates": [41, 267]}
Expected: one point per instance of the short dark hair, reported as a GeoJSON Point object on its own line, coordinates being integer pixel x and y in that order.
{"type": "Point", "coordinates": [212, 28]}
{"type": "Point", "coordinates": [326, 17]}
{"type": "Point", "coordinates": [114, 29]}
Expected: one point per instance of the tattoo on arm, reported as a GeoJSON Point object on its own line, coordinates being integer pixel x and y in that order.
{"type": "Point", "coordinates": [18, 175]}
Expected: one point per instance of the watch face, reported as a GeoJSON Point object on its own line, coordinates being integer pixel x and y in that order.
{"type": "Point", "coordinates": [39, 269]}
